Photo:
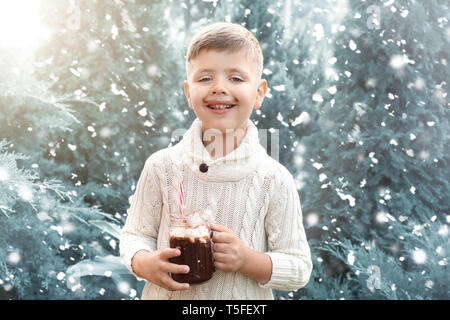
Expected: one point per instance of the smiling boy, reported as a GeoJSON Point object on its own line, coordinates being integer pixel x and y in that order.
{"type": "Point", "coordinates": [260, 242]}
{"type": "Point", "coordinates": [223, 88]}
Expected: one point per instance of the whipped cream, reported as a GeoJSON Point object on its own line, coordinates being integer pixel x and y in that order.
{"type": "Point", "coordinates": [195, 227]}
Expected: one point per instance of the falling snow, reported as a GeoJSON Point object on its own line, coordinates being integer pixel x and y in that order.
{"type": "Point", "coordinates": [413, 144]}
{"type": "Point", "coordinates": [419, 256]}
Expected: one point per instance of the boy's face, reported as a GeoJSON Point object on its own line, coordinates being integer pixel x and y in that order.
{"type": "Point", "coordinates": [224, 78]}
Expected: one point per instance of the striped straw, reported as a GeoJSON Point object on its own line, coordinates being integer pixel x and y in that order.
{"type": "Point", "coordinates": [182, 198]}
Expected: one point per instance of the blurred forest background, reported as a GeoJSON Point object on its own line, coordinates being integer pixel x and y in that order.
{"type": "Point", "coordinates": [357, 89]}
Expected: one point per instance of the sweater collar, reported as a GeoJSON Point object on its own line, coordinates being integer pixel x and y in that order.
{"type": "Point", "coordinates": [236, 165]}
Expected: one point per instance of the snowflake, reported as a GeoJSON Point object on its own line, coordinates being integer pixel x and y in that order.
{"type": "Point", "coordinates": [317, 97]}
{"type": "Point", "coordinates": [281, 87]}
{"type": "Point", "coordinates": [351, 258]}
{"type": "Point", "coordinates": [25, 193]}
{"type": "Point", "coordinates": [318, 33]}
{"type": "Point", "coordinates": [419, 256]}
{"type": "Point", "coordinates": [332, 90]}
{"type": "Point", "coordinates": [443, 231]}
{"type": "Point", "coordinates": [114, 32]}
{"type": "Point", "coordinates": [14, 257]}
{"type": "Point", "coordinates": [143, 112]}
{"type": "Point", "coordinates": [312, 219]}
{"type": "Point", "coordinates": [304, 117]}
{"type": "Point", "coordinates": [397, 62]}
{"type": "Point", "coordinates": [123, 287]}
{"type": "Point", "coordinates": [350, 198]}
{"type": "Point", "coordinates": [3, 174]}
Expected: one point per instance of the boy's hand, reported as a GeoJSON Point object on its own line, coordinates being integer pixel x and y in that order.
{"type": "Point", "coordinates": [229, 251]}
{"type": "Point", "coordinates": [155, 267]}
{"type": "Point", "coordinates": [231, 255]}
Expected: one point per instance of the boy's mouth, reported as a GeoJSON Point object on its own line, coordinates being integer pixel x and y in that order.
{"type": "Point", "coordinates": [221, 106]}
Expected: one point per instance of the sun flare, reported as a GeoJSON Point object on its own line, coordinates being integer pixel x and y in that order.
{"type": "Point", "coordinates": [19, 23]}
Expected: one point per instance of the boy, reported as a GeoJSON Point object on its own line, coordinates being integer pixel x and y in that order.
{"type": "Point", "coordinates": [259, 240]}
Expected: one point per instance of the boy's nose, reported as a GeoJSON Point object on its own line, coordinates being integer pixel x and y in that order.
{"type": "Point", "coordinates": [218, 91]}
{"type": "Point", "coordinates": [218, 88]}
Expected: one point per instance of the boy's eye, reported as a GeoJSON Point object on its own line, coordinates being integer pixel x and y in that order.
{"type": "Point", "coordinates": [236, 79]}
{"type": "Point", "coordinates": [203, 79]}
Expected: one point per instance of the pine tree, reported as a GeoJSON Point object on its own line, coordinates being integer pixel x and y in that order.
{"type": "Point", "coordinates": [46, 225]}
{"type": "Point", "coordinates": [37, 243]}
{"type": "Point", "coordinates": [117, 58]}
{"type": "Point", "coordinates": [379, 193]}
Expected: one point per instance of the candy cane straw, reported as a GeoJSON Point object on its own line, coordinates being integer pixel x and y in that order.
{"type": "Point", "coordinates": [182, 198]}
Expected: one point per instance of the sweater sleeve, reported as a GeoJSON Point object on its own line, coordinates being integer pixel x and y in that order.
{"type": "Point", "coordinates": [143, 216]}
{"type": "Point", "coordinates": [287, 244]}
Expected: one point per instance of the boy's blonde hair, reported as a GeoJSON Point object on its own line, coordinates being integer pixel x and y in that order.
{"type": "Point", "coordinates": [223, 36]}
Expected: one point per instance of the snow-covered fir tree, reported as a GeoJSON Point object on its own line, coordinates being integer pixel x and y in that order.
{"type": "Point", "coordinates": [377, 199]}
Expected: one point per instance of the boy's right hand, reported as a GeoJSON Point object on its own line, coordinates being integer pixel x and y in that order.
{"type": "Point", "coordinates": [155, 267]}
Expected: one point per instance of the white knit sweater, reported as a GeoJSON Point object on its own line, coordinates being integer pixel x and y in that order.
{"type": "Point", "coordinates": [250, 193]}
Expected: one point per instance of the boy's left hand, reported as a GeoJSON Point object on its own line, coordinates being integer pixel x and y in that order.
{"type": "Point", "coordinates": [229, 251]}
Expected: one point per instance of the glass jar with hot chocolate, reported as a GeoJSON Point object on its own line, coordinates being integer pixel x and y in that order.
{"type": "Point", "coordinates": [191, 234]}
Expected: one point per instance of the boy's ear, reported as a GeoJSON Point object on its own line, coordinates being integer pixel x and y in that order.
{"type": "Point", "coordinates": [186, 93]}
{"type": "Point", "coordinates": [261, 93]}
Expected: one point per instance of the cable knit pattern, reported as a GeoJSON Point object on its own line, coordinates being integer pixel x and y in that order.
{"type": "Point", "coordinates": [247, 190]}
